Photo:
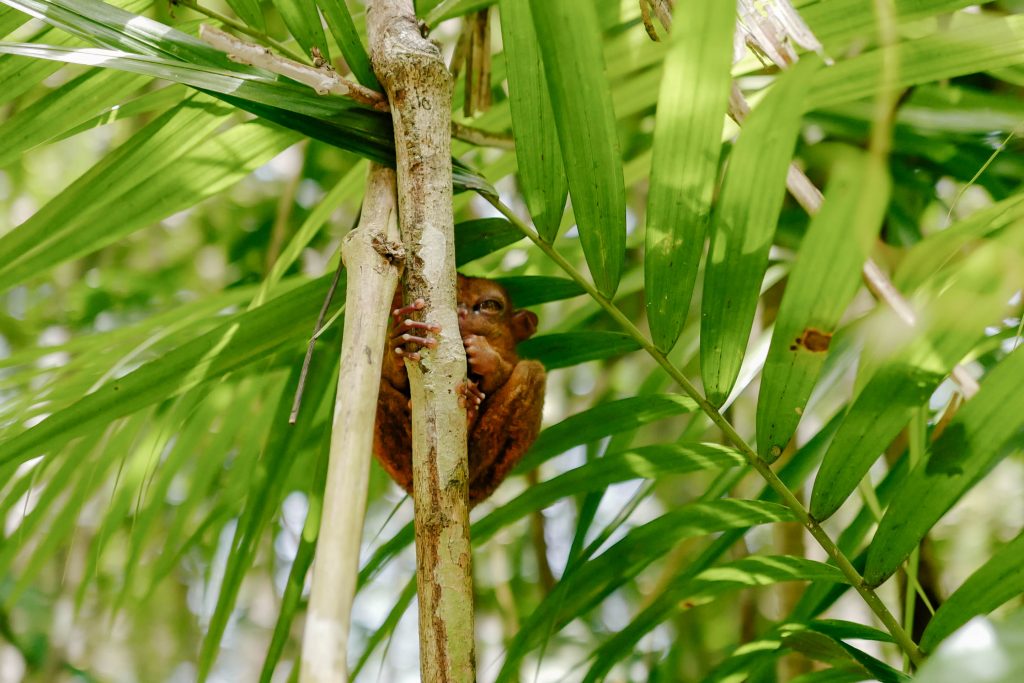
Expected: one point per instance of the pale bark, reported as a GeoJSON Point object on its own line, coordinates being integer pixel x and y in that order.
{"type": "Point", "coordinates": [324, 80]}
{"type": "Point", "coordinates": [419, 87]}
{"type": "Point", "coordinates": [373, 257]}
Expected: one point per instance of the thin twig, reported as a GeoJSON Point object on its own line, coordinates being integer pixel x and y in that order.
{"type": "Point", "coordinates": [237, 26]}
{"type": "Point", "coordinates": [297, 403]}
{"type": "Point", "coordinates": [482, 138]}
{"type": "Point", "coordinates": [323, 80]}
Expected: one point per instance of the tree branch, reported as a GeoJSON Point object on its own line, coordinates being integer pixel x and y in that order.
{"type": "Point", "coordinates": [419, 88]}
{"type": "Point", "coordinates": [373, 258]}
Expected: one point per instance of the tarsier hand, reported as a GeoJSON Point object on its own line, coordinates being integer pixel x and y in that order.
{"type": "Point", "coordinates": [503, 396]}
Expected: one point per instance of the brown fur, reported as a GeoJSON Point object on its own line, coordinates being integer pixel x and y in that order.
{"type": "Point", "coordinates": [504, 426]}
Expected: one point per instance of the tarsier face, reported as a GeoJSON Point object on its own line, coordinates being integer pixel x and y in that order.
{"type": "Point", "coordinates": [485, 309]}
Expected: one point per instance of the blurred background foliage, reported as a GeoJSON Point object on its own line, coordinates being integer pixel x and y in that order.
{"type": "Point", "coordinates": [165, 254]}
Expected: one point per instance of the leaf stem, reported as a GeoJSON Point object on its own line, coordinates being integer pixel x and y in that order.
{"type": "Point", "coordinates": [867, 593]}
{"type": "Point", "coordinates": [240, 27]}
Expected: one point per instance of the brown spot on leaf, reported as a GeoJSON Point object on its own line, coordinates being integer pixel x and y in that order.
{"type": "Point", "coordinates": [814, 340]}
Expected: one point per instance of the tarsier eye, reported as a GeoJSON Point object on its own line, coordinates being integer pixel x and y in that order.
{"type": "Point", "coordinates": [490, 305]}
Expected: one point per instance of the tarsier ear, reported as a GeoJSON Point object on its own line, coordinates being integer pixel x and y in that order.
{"type": "Point", "coordinates": [524, 324]}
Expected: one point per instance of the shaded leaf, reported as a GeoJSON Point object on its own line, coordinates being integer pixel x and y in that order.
{"type": "Point", "coordinates": [911, 363]}
{"type": "Point", "coordinates": [591, 581]}
{"type": "Point", "coordinates": [743, 228]}
{"type": "Point", "coordinates": [572, 348]}
{"type": "Point", "coordinates": [972, 444]}
{"type": "Point", "coordinates": [997, 581]}
{"type": "Point", "coordinates": [531, 290]}
{"type": "Point", "coordinates": [603, 420]}
{"type": "Point", "coordinates": [241, 340]}
{"type": "Point", "coordinates": [339, 21]}
{"type": "Point", "coordinates": [825, 276]}
{"type": "Point", "coordinates": [303, 22]}
{"type": "Point", "coordinates": [687, 142]}
{"type": "Point", "coordinates": [540, 162]}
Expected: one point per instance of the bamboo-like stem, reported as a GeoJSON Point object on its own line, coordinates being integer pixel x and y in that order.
{"type": "Point", "coordinates": [419, 88]}
{"type": "Point", "coordinates": [373, 257]}
{"type": "Point", "coordinates": [866, 592]}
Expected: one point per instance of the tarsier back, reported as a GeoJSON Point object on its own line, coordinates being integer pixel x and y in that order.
{"type": "Point", "coordinates": [504, 395]}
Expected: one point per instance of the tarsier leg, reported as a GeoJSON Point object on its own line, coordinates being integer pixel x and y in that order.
{"type": "Point", "coordinates": [509, 421]}
{"type": "Point", "coordinates": [392, 437]}
{"type": "Point", "coordinates": [471, 398]}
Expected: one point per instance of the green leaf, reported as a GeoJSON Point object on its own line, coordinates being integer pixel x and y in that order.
{"type": "Point", "coordinates": [952, 245]}
{"type": "Point", "coordinates": [339, 21]}
{"type": "Point", "coordinates": [279, 94]}
{"type": "Point", "coordinates": [531, 290]}
{"type": "Point", "coordinates": [303, 21]}
{"type": "Point", "coordinates": [177, 56]}
{"type": "Point", "coordinates": [267, 488]}
{"type": "Point", "coordinates": [62, 109]}
{"type": "Point", "coordinates": [241, 340]}
{"type": "Point", "coordinates": [580, 590]}
{"type": "Point", "coordinates": [250, 12]}
{"type": "Point", "coordinates": [996, 582]}
{"type": "Point", "coordinates": [585, 121]}
{"type": "Point", "coordinates": [590, 425]}
{"type": "Point", "coordinates": [63, 524]}
{"type": "Point", "coordinates": [572, 348]}
{"type": "Point", "coordinates": [155, 174]}
{"type": "Point", "coordinates": [541, 170]}
{"type": "Point", "coordinates": [743, 228]}
{"type": "Point", "coordinates": [601, 421]}
{"type": "Point", "coordinates": [970, 44]}
{"type": "Point", "coordinates": [291, 600]}
{"type": "Point", "coordinates": [971, 445]}
{"type": "Point", "coordinates": [478, 238]}
{"type": "Point", "coordinates": [823, 648]}
{"type": "Point", "coordinates": [825, 276]}
{"type": "Point", "coordinates": [981, 652]}
{"type": "Point", "coordinates": [99, 23]}
{"type": "Point", "coordinates": [646, 462]}
{"type": "Point", "coordinates": [912, 361]}
{"type": "Point", "coordinates": [687, 143]}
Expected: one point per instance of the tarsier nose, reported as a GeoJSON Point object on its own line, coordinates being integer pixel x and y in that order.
{"type": "Point", "coordinates": [463, 310]}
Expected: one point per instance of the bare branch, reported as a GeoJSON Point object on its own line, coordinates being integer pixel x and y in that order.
{"type": "Point", "coordinates": [419, 88]}
{"type": "Point", "coordinates": [373, 276]}
{"type": "Point", "coordinates": [323, 80]}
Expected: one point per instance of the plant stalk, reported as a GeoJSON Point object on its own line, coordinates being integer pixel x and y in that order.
{"type": "Point", "coordinates": [866, 592]}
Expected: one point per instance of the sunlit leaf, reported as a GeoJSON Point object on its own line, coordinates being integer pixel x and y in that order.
{"type": "Point", "coordinates": [687, 142]}
{"type": "Point", "coordinates": [585, 122]}
{"type": "Point", "coordinates": [743, 227]}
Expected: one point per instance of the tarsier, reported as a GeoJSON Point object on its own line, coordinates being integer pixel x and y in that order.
{"type": "Point", "coordinates": [504, 396]}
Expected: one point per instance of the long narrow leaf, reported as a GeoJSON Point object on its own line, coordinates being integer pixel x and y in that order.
{"type": "Point", "coordinates": [339, 21]}
{"type": "Point", "coordinates": [540, 160]}
{"type": "Point", "coordinates": [243, 339]}
{"type": "Point", "coordinates": [997, 581]}
{"type": "Point", "coordinates": [977, 438]}
{"type": "Point", "coordinates": [687, 142]}
{"type": "Point", "coordinates": [303, 22]}
{"type": "Point", "coordinates": [824, 278]}
{"type": "Point", "coordinates": [582, 589]}
{"type": "Point", "coordinates": [912, 361]}
{"type": "Point", "coordinates": [582, 106]}
{"type": "Point", "coordinates": [743, 228]}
